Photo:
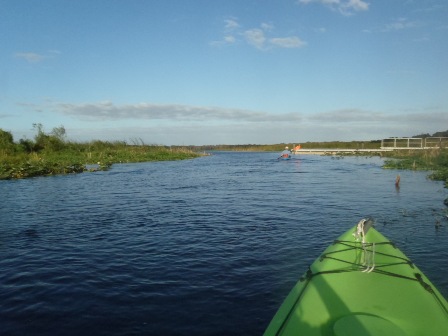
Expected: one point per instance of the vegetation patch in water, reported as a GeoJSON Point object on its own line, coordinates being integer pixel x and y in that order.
{"type": "Point", "coordinates": [425, 159]}
{"type": "Point", "coordinates": [52, 154]}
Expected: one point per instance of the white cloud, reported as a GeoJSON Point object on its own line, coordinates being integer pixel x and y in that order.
{"type": "Point", "coordinates": [342, 125]}
{"type": "Point", "coordinates": [325, 2]}
{"type": "Point", "coordinates": [400, 24]}
{"type": "Point", "coordinates": [267, 26]}
{"type": "Point", "coordinates": [321, 30]}
{"type": "Point", "coordinates": [30, 57]}
{"type": "Point", "coordinates": [346, 7]}
{"type": "Point", "coordinates": [257, 37]}
{"type": "Point", "coordinates": [229, 39]}
{"type": "Point", "coordinates": [231, 27]}
{"type": "Point", "coordinates": [397, 120]}
{"type": "Point", "coordinates": [231, 24]}
{"type": "Point", "coordinates": [356, 5]}
{"type": "Point", "coordinates": [185, 124]}
{"type": "Point", "coordinates": [397, 25]}
{"type": "Point", "coordinates": [347, 115]}
{"type": "Point", "coordinates": [287, 42]}
{"type": "Point", "coordinates": [108, 111]}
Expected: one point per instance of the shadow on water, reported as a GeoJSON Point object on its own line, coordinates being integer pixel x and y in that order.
{"type": "Point", "coordinates": [30, 233]}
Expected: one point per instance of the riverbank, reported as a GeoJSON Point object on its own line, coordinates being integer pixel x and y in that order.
{"type": "Point", "coordinates": [434, 160]}
{"type": "Point", "coordinates": [79, 158]}
{"type": "Point", "coordinates": [52, 154]}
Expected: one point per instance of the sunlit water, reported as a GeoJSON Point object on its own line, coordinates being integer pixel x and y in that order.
{"type": "Point", "coordinates": [209, 246]}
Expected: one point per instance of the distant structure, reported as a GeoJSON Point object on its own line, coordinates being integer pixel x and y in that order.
{"type": "Point", "coordinates": [414, 143]}
{"type": "Point", "coordinates": [387, 145]}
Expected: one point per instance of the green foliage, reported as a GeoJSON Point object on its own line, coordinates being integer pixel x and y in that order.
{"type": "Point", "coordinates": [51, 154]}
{"type": "Point", "coordinates": [6, 138]}
{"type": "Point", "coordinates": [427, 135]}
{"type": "Point", "coordinates": [26, 145]}
{"type": "Point", "coordinates": [59, 133]}
{"type": "Point", "coordinates": [7, 145]}
{"type": "Point", "coordinates": [440, 175]}
{"type": "Point", "coordinates": [54, 141]}
{"type": "Point", "coordinates": [441, 134]}
{"type": "Point", "coordinates": [431, 159]}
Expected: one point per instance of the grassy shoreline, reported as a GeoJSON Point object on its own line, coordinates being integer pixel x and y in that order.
{"type": "Point", "coordinates": [98, 155]}
{"type": "Point", "coordinates": [89, 160]}
{"type": "Point", "coordinates": [434, 160]}
{"type": "Point", "coordinates": [84, 160]}
{"type": "Point", "coordinates": [51, 154]}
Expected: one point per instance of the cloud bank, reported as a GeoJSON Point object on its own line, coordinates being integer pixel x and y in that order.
{"type": "Point", "coordinates": [108, 111]}
{"type": "Point", "coordinates": [175, 124]}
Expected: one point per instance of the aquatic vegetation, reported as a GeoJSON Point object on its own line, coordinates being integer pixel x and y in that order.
{"type": "Point", "coordinates": [51, 154]}
{"type": "Point", "coordinates": [435, 160]}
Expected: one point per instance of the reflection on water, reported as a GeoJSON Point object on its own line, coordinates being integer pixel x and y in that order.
{"type": "Point", "coordinates": [204, 246]}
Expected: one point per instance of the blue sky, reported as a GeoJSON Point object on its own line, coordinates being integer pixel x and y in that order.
{"type": "Point", "coordinates": [179, 72]}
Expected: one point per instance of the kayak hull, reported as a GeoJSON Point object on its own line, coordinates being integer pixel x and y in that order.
{"type": "Point", "coordinates": [357, 288]}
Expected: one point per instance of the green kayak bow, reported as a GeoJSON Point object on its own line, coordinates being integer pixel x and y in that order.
{"type": "Point", "coordinates": [362, 285]}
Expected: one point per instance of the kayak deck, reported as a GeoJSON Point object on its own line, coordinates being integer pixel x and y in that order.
{"type": "Point", "coordinates": [357, 288]}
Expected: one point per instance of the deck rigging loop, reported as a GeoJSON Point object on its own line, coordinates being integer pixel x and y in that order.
{"type": "Point", "coordinates": [365, 258]}
{"type": "Point", "coordinates": [368, 249]}
{"type": "Point", "coordinates": [368, 254]}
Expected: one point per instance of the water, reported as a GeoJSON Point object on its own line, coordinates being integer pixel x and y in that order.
{"type": "Point", "coordinates": [209, 246]}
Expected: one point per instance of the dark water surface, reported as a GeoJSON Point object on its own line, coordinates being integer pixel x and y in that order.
{"type": "Point", "coordinates": [209, 246]}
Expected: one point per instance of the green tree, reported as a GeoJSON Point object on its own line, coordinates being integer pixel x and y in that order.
{"type": "Point", "coordinates": [6, 141]}
{"type": "Point", "coordinates": [40, 138]}
{"type": "Point", "coordinates": [26, 145]}
{"type": "Point", "coordinates": [59, 133]}
{"type": "Point", "coordinates": [54, 141]}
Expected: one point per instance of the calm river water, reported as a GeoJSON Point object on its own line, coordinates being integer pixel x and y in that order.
{"type": "Point", "coordinates": [209, 246]}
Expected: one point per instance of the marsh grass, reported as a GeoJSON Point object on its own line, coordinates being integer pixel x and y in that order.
{"type": "Point", "coordinates": [51, 154]}
{"type": "Point", "coordinates": [435, 160]}
{"type": "Point", "coordinates": [77, 157]}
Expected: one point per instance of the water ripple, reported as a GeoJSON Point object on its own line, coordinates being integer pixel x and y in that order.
{"type": "Point", "coordinates": [206, 246]}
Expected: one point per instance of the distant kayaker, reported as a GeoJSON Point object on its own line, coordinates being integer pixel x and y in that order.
{"type": "Point", "coordinates": [286, 153]}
